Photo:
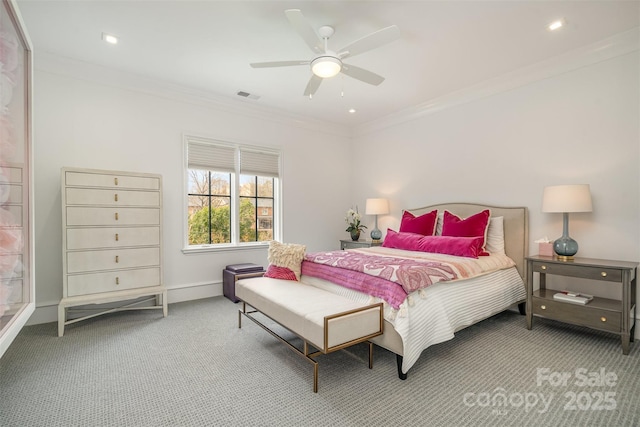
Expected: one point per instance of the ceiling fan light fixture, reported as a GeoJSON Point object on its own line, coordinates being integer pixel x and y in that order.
{"type": "Point", "coordinates": [326, 66]}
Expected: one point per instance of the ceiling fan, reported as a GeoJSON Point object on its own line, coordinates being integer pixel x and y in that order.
{"type": "Point", "coordinates": [328, 63]}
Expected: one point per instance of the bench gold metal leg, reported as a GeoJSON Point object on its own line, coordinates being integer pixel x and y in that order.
{"type": "Point", "coordinates": [305, 350]}
{"type": "Point", "coordinates": [370, 355]}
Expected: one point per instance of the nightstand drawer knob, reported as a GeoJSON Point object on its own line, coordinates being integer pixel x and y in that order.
{"type": "Point", "coordinates": [603, 319]}
{"type": "Point", "coordinates": [117, 280]}
{"type": "Point", "coordinates": [544, 307]}
{"type": "Point", "coordinates": [543, 267]}
{"type": "Point", "coordinates": [603, 274]}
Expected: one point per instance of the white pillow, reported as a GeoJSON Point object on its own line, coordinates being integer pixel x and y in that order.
{"type": "Point", "coordinates": [495, 236]}
{"type": "Point", "coordinates": [287, 255]}
{"type": "Point", "coordinates": [439, 223]}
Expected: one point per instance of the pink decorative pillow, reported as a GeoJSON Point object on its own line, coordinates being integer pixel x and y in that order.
{"type": "Point", "coordinates": [402, 240]}
{"type": "Point", "coordinates": [283, 273]}
{"type": "Point", "coordinates": [423, 224]}
{"type": "Point", "coordinates": [474, 226]}
{"type": "Point", "coordinates": [470, 247]}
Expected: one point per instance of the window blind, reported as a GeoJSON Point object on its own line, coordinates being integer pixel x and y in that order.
{"type": "Point", "coordinates": [259, 163]}
{"type": "Point", "coordinates": [211, 157]}
{"type": "Point", "coordinates": [202, 154]}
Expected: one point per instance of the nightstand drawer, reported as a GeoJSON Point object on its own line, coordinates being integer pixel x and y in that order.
{"type": "Point", "coordinates": [580, 271]}
{"type": "Point", "coordinates": [577, 314]}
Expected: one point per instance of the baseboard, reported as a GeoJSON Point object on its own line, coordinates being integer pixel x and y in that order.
{"type": "Point", "coordinates": [47, 312]}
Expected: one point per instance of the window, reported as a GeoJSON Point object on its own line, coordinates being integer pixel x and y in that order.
{"type": "Point", "coordinates": [232, 194]}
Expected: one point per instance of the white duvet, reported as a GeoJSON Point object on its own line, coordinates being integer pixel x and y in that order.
{"type": "Point", "coordinates": [434, 314]}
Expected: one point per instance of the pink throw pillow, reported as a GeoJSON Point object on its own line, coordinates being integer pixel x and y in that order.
{"type": "Point", "coordinates": [423, 224]}
{"type": "Point", "coordinates": [284, 273]}
{"type": "Point", "coordinates": [470, 247]}
{"type": "Point", "coordinates": [474, 226]}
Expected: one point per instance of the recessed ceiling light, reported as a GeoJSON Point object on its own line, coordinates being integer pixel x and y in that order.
{"type": "Point", "coordinates": [110, 38]}
{"type": "Point", "coordinates": [352, 110]}
{"type": "Point", "coordinates": [555, 25]}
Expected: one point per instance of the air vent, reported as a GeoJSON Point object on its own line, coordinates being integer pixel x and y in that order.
{"type": "Point", "coordinates": [247, 95]}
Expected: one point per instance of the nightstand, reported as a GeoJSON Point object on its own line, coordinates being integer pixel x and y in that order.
{"type": "Point", "coordinates": [351, 244]}
{"type": "Point", "coordinates": [610, 315]}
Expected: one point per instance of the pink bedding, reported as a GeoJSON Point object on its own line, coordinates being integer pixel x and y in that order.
{"type": "Point", "coordinates": [386, 277]}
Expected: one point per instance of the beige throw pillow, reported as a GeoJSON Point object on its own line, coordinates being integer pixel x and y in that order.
{"type": "Point", "coordinates": [288, 255]}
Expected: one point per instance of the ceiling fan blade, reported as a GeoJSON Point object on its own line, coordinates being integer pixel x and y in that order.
{"type": "Point", "coordinates": [313, 85]}
{"type": "Point", "coordinates": [362, 74]}
{"type": "Point", "coordinates": [372, 41]}
{"type": "Point", "coordinates": [278, 64]}
{"type": "Point", "coordinates": [305, 30]}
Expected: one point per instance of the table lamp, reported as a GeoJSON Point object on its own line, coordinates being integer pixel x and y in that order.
{"type": "Point", "coordinates": [566, 199]}
{"type": "Point", "coordinates": [376, 207]}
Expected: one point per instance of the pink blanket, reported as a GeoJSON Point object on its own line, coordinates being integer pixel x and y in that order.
{"type": "Point", "coordinates": [389, 278]}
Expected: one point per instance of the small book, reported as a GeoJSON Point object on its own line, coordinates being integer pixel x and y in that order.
{"type": "Point", "coordinates": [572, 297]}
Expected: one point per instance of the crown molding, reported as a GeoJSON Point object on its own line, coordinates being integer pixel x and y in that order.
{"type": "Point", "coordinates": [603, 50]}
{"type": "Point", "coordinates": [81, 70]}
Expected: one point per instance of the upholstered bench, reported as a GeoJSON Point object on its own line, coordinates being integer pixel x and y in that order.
{"type": "Point", "coordinates": [326, 321]}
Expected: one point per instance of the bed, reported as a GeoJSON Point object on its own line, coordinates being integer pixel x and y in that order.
{"type": "Point", "coordinates": [432, 315]}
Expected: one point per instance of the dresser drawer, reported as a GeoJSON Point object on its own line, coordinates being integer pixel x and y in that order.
{"type": "Point", "coordinates": [11, 216]}
{"type": "Point", "coordinates": [93, 283]}
{"type": "Point", "coordinates": [88, 179]}
{"type": "Point", "coordinates": [10, 193]}
{"type": "Point", "coordinates": [111, 259]}
{"type": "Point", "coordinates": [115, 197]}
{"type": "Point", "coordinates": [16, 293]}
{"type": "Point", "coordinates": [12, 175]}
{"type": "Point", "coordinates": [578, 314]}
{"type": "Point", "coordinates": [11, 266]}
{"type": "Point", "coordinates": [580, 271]}
{"type": "Point", "coordinates": [116, 237]}
{"type": "Point", "coordinates": [112, 216]}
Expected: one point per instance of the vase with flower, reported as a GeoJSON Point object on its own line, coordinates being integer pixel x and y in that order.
{"type": "Point", "coordinates": [354, 226]}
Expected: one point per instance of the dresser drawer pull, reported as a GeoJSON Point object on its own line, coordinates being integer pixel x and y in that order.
{"type": "Point", "coordinates": [603, 274]}
{"type": "Point", "coordinates": [116, 216]}
{"type": "Point", "coordinates": [117, 280]}
{"type": "Point", "coordinates": [115, 181]}
{"type": "Point", "coordinates": [543, 267]}
{"type": "Point", "coordinates": [117, 237]}
{"type": "Point", "coordinates": [603, 319]}
{"type": "Point", "coordinates": [544, 307]}
{"type": "Point", "coordinates": [117, 259]}
{"type": "Point", "coordinates": [115, 197]}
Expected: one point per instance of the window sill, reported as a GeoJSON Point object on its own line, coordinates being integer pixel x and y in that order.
{"type": "Point", "coordinates": [224, 248]}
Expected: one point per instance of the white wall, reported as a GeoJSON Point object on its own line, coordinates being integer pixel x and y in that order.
{"type": "Point", "coordinates": [578, 127]}
{"type": "Point", "coordinates": [83, 122]}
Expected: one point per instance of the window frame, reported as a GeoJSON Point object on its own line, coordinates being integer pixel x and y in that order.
{"type": "Point", "coordinates": [235, 198]}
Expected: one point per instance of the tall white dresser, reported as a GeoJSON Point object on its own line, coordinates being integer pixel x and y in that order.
{"type": "Point", "coordinates": [111, 244]}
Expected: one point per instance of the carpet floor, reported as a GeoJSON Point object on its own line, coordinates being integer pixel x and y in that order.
{"type": "Point", "coordinates": [196, 368]}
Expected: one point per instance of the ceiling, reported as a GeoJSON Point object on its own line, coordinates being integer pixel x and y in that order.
{"type": "Point", "coordinates": [207, 45]}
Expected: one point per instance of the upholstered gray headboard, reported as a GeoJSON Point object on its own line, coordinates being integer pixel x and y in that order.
{"type": "Point", "coordinates": [516, 226]}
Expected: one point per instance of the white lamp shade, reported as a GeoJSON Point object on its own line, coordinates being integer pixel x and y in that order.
{"type": "Point", "coordinates": [567, 198]}
{"type": "Point", "coordinates": [377, 207]}
{"type": "Point", "coordinates": [326, 66]}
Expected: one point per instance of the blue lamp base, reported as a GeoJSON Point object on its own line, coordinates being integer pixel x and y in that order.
{"type": "Point", "coordinates": [376, 234]}
{"type": "Point", "coordinates": [565, 247]}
